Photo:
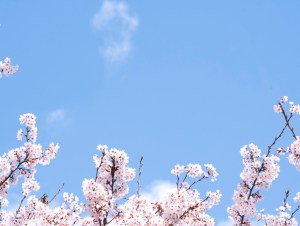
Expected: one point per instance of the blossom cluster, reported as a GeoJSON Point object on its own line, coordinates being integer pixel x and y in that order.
{"type": "Point", "coordinates": [109, 185]}
{"type": "Point", "coordinates": [6, 68]}
{"type": "Point", "coordinates": [283, 218]}
{"type": "Point", "coordinates": [259, 172]}
{"type": "Point", "coordinates": [195, 170]}
{"type": "Point", "coordinates": [293, 107]}
{"type": "Point", "coordinates": [294, 156]}
{"type": "Point", "coordinates": [21, 163]}
{"type": "Point", "coordinates": [139, 211]}
{"type": "Point", "coordinates": [36, 212]}
{"type": "Point", "coordinates": [284, 215]}
{"type": "Point", "coordinates": [182, 206]}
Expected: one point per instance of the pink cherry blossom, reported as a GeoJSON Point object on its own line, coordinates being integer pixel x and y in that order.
{"type": "Point", "coordinates": [6, 68]}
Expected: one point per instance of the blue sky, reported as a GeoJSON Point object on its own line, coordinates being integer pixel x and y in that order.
{"type": "Point", "coordinates": [174, 81]}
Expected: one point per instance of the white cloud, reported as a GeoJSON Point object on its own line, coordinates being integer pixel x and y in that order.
{"type": "Point", "coordinates": [119, 25]}
{"type": "Point", "coordinates": [56, 115]}
{"type": "Point", "coordinates": [158, 190]}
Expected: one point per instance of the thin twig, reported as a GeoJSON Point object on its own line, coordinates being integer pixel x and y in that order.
{"type": "Point", "coordinates": [177, 181]}
{"type": "Point", "coordinates": [139, 177]}
{"type": "Point", "coordinates": [276, 138]}
{"type": "Point", "coordinates": [18, 210]}
{"type": "Point", "coordinates": [186, 175]}
{"type": "Point", "coordinates": [287, 193]}
{"type": "Point", "coordinates": [200, 179]}
{"type": "Point", "coordinates": [287, 121]}
{"type": "Point", "coordinates": [292, 215]}
{"type": "Point", "coordinates": [56, 193]}
{"type": "Point", "coordinates": [100, 164]}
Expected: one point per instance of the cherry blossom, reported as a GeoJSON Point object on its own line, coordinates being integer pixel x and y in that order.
{"type": "Point", "coordinates": [6, 68]}
{"type": "Point", "coordinates": [259, 172]}
{"type": "Point", "coordinates": [294, 156]}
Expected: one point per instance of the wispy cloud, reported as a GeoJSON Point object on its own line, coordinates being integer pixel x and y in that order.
{"type": "Point", "coordinates": [56, 115]}
{"type": "Point", "coordinates": [118, 25]}
{"type": "Point", "coordinates": [158, 190]}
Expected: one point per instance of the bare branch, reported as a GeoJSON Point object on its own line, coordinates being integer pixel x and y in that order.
{"type": "Point", "coordinates": [56, 193]}
{"type": "Point", "coordinates": [287, 121]}
{"type": "Point", "coordinates": [139, 177]}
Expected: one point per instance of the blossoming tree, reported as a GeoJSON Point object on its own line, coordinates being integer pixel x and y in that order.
{"type": "Point", "coordinates": [106, 193]}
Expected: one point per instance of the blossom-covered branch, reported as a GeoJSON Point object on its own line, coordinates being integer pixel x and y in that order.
{"type": "Point", "coordinates": [260, 171]}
